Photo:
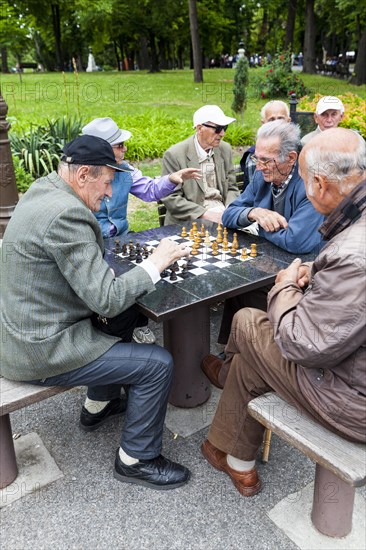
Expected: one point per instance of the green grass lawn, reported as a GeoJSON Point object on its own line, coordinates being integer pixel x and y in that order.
{"type": "Point", "coordinates": [156, 108]}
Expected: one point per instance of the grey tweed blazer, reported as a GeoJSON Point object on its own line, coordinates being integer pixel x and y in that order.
{"type": "Point", "coordinates": [53, 276]}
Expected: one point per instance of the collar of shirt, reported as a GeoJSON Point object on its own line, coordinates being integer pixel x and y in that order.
{"type": "Point", "coordinates": [278, 189]}
{"type": "Point", "coordinates": [201, 153]}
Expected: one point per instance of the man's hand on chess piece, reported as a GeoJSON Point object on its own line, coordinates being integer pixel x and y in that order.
{"type": "Point", "coordinates": [269, 220]}
{"type": "Point", "coordinates": [167, 253]}
{"type": "Point", "coordinates": [185, 174]}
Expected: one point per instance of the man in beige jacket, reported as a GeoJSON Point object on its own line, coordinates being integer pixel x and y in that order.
{"type": "Point", "coordinates": [310, 347]}
{"type": "Point", "coordinates": [207, 197]}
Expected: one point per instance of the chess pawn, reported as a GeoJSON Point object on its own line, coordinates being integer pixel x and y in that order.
{"type": "Point", "coordinates": [207, 238]}
{"type": "Point", "coordinates": [253, 250]}
{"type": "Point", "coordinates": [194, 227]}
{"type": "Point", "coordinates": [203, 230]}
{"type": "Point", "coordinates": [191, 234]}
{"type": "Point", "coordinates": [244, 254]}
{"type": "Point", "coordinates": [233, 250]}
{"type": "Point", "coordinates": [184, 232]}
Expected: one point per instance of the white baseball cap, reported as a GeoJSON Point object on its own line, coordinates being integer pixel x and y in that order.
{"type": "Point", "coordinates": [211, 113]}
{"type": "Point", "coordinates": [106, 129]}
{"type": "Point", "coordinates": [329, 102]}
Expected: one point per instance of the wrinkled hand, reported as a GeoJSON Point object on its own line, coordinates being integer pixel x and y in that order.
{"type": "Point", "coordinates": [304, 276]}
{"type": "Point", "coordinates": [167, 252]}
{"type": "Point", "coordinates": [212, 216]}
{"type": "Point", "coordinates": [269, 220]}
{"type": "Point", "coordinates": [185, 174]}
{"type": "Point", "coordinates": [291, 273]}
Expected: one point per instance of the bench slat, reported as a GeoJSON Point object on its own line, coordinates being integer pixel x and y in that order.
{"type": "Point", "coordinates": [16, 395]}
{"type": "Point", "coordinates": [347, 460]}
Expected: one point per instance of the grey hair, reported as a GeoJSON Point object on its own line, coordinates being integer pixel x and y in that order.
{"type": "Point", "coordinates": [287, 132]}
{"type": "Point", "coordinates": [94, 171]}
{"type": "Point", "coordinates": [271, 103]}
{"type": "Point", "coordinates": [337, 166]}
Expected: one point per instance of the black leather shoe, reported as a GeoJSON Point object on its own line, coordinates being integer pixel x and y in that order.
{"type": "Point", "coordinates": [90, 422]}
{"type": "Point", "coordinates": [158, 473]}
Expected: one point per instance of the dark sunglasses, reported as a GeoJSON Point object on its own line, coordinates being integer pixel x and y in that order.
{"type": "Point", "coordinates": [217, 128]}
{"type": "Point", "coordinates": [119, 145]}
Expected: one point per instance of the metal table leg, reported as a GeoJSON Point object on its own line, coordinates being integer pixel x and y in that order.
{"type": "Point", "coordinates": [187, 337]}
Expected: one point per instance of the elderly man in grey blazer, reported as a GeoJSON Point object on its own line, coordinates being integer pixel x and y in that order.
{"type": "Point", "coordinates": [55, 284]}
{"type": "Point", "coordinates": [207, 198]}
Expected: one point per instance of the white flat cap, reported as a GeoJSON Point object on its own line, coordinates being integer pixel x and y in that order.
{"type": "Point", "coordinates": [211, 113]}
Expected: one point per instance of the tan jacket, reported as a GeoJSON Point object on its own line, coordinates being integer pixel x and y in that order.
{"type": "Point", "coordinates": [323, 329]}
{"type": "Point", "coordinates": [187, 203]}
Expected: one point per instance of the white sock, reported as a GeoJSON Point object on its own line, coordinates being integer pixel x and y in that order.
{"type": "Point", "coordinates": [127, 459]}
{"type": "Point", "coordinates": [95, 407]}
{"type": "Point", "coordinates": [240, 465]}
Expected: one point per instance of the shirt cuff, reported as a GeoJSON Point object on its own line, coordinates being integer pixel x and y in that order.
{"type": "Point", "coordinates": [151, 270]}
{"type": "Point", "coordinates": [243, 217]}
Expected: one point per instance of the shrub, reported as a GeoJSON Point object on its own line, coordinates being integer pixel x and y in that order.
{"type": "Point", "coordinates": [279, 80]}
{"type": "Point", "coordinates": [354, 110]}
{"type": "Point", "coordinates": [39, 150]}
{"type": "Point", "coordinates": [241, 81]}
{"type": "Point", "coordinates": [23, 179]}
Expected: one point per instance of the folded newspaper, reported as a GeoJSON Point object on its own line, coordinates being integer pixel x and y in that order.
{"type": "Point", "coordinates": [253, 228]}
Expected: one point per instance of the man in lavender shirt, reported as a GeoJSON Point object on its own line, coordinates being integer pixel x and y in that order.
{"type": "Point", "coordinates": [112, 216]}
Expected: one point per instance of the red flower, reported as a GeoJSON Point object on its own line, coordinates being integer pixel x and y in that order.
{"type": "Point", "coordinates": [263, 95]}
{"type": "Point", "coordinates": [270, 71]}
{"type": "Point", "coordinates": [292, 92]}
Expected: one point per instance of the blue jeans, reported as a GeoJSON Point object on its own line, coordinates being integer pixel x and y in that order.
{"type": "Point", "coordinates": [148, 370]}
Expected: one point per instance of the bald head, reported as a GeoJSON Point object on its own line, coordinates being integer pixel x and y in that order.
{"type": "Point", "coordinates": [332, 164]}
{"type": "Point", "coordinates": [275, 110]}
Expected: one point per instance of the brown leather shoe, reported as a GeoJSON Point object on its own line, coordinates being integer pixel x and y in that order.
{"type": "Point", "coordinates": [211, 366]}
{"type": "Point", "coordinates": [247, 483]}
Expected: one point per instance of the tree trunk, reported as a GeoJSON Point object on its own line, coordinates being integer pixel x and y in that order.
{"type": "Point", "coordinates": [4, 60]}
{"type": "Point", "coordinates": [263, 33]}
{"type": "Point", "coordinates": [144, 61]}
{"type": "Point", "coordinates": [360, 66]}
{"type": "Point", "coordinates": [195, 39]}
{"type": "Point", "coordinates": [116, 54]}
{"type": "Point", "coordinates": [154, 68]}
{"type": "Point", "coordinates": [56, 24]}
{"type": "Point", "coordinates": [290, 25]}
{"type": "Point", "coordinates": [309, 38]}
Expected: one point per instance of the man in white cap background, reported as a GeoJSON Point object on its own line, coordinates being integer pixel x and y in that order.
{"type": "Point", "coordinates": [112, 215]}
{"type": "Point", "coordinates": [206, 198]}
{"type": "Point", "coordinates": [328, 114]}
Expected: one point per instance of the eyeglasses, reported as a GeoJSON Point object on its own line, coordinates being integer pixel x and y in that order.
{"type": "Point", "coordinates": [119, 145]}
{"type": "Point", "coordinates": [262, 161]}
{"type": "Point", "coordinates": [218, 129]}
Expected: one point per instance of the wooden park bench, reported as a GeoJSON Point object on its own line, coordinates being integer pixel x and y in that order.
{"type": "Point", "coordinates": [340, 464]}
{"type": "Point", "coordinates": [15, 396]}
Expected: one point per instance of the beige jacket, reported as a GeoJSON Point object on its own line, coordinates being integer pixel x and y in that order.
{"type": "Point", "coordinates": [187, 203]}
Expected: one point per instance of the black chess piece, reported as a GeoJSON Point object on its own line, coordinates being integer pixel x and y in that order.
{"type": "Point", "coordinates": [173, 275]}
{"type": "Point", "coordinates": [117, 246]}
{"type": "Point", "coordinates": [164, 273]}
{"type": "Point", "coordinates": [184, 273]}
{"type": "Point", "coordinates": [175, 267]}
{"type": "Point", "coordinates": [124, 249]}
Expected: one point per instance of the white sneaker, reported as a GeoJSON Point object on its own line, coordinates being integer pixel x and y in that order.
{"type": "Point", "coordinates": [143, 335]}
